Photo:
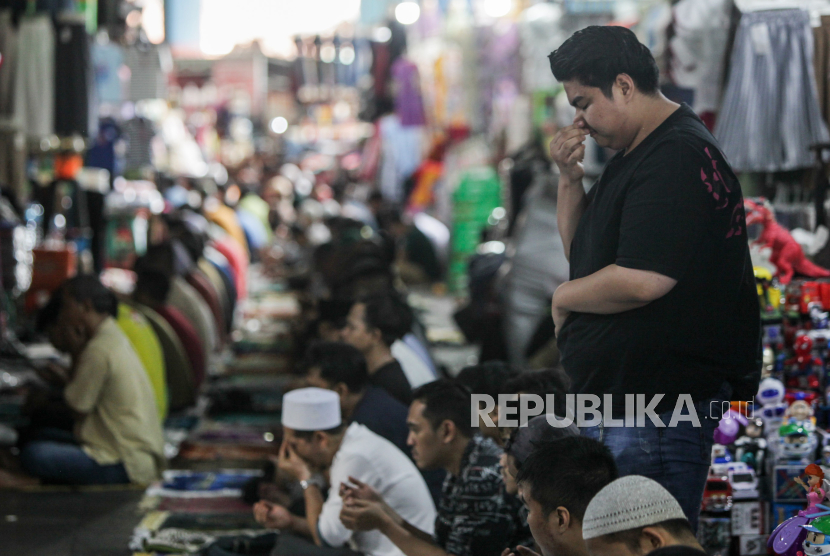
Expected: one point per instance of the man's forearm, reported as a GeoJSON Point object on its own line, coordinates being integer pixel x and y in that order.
{"type": "Point", "coordinates": [313, 509]}
{"type": "Point", "coordinates": [409, 539]}
{"type": "Point", "coordinates": [299, 525]}
{"type": "Point", "coordinates": [570, 204]}
{"type": "Point", "coordinates": [606, 292]}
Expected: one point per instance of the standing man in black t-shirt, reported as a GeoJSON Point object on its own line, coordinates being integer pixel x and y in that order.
{"type": "Point", "coordinates": [662, 296]}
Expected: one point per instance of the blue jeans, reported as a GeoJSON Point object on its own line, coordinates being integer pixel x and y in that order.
{"type": "Point", "coordinates": [65, 463]}
{"type": "Point", "coordinates": [678, 458]}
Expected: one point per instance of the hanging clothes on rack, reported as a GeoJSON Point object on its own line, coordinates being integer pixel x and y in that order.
{"type": "Point", "coordinates": [34, 86]}
{"type": "Point", "coordinates": [8, 61]}
{"type": "Point", "coordinates": [698, 49]}
{"type": "Point", "coordinates": [409, 105]}
{"type": "Point", "coordinates": [821, 64]}
{"type": "Point", "coordinates": [74, 105]}
{"type": "Point", "coordinates": [139, 133]}
{"type": "Point", "coordinates": [149, 66]}
{"type": "Point", "coordinates": [107, 59]}
{"type": "Point", "coordinates": [770, 114]}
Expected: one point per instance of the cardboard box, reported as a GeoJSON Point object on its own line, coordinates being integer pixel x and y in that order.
{"type": "Point", "coordinates": [783, 512]}
{"type": "Point", "coordinates": [785, 489]}
{"type": "Point", "coordinates": [747, 518]}
{"type": "Point", "coordinates": [752, 545]}
{"type": "Point", "coordinates": [714, 533]}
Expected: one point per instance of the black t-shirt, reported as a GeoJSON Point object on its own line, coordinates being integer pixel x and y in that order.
{"type": "Point", "coordinates": [391, 378]}
{"type": "Point", "coordinates": [382, 414]}
{"type": "Point", "coordinates": [672, 206]}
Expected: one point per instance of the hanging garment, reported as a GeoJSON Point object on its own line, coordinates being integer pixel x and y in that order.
{"type": "Point", "coordinates": [821, 65]}
{"type": "Point", "coordinates": [770, 114]}
{"type": "Point", "coordinates": [13, 161]}
{"type": "Point", "coordinates": [101, 154]}
{"type": "Point", "coordinates": [402, 154]}
{"type": "Point", "coordinates": [8, 62]}
{"type": "Point", "coordinates": [139, 133]}
{"type": "Point", "coordinates": [698, 49]}
{"type": "Point", "coordinates": [149, 66]}
{"type": "Point", "coordinates": [73, 81]}
{"type": "Point", "coordinates": [107, 60]}
{"type": "Point", "coordinates": [34, 84]}
{"type": "Point", "coordinates": [409, 105]}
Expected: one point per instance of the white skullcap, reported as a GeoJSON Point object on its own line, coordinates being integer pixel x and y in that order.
{"type": "Point", "coordinates": [311, 409]}
{"type": "Point", "coordinates": [629, 503]}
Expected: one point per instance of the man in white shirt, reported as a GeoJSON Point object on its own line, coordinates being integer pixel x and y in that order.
{"type": "Point", "coordinates": [318, 449]}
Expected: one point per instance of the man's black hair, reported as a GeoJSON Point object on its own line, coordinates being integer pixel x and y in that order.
{"type": "Point", "coordinates": [388, 314]}
{"type": "Point", "coordinates": [48, 314]}
{"type": "Point", "coordinates": [489, 378]}
{"type": "Point", "coordinates": [308, 435]}
{"type": "Point", "coordinates": [446, 400]}
{"type": "Point", "coordinates": [87, 287]}
{"type": "Point", "coordinates": [334, 311]}
{"type": "Point", "coordinates": [596, 55]}
{"type": "Point", "coordinates": [154, 284]}
{"type": "Point", "coordinates": [679, 528]}
{"type": "Point", "coordinates": [568, 472]}
{"type": "Point", "coordinates": [338, 362]}
{"type": "Point", "coordinates": [387, 216]}
{"type": "Point", "coordinates": [543, 382]}
{"type": "Point", "coordinates": [158, 258]}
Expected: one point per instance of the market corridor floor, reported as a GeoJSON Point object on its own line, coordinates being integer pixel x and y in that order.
{"type": "Point", "coordinates": [67, 523]}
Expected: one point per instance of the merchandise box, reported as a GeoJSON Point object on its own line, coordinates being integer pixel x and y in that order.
{"type": "Point", "coordinates": [748, 519]}
{"type": "Point", "coordinates": [714, 534]}
{"type": "Point", "coordinates": [783, 512]}
{"type": "Point", "coordinates": [785, 489]}
{"type": "Point", "coordinates": [752, 545]}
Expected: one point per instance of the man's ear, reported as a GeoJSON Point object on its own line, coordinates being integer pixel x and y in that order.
{"type": "Point", "coordinates": [447, 431]}
{"type": "Point", "coordinates": [341, 389]}
{"type": "Point", "coordinates": [559, 520]}
{"type": "Point", "coordinates": [376, 335]}
{"type": "Point", "coordinates": [653, 538]}
{"type": "Point", "coordinates": [625, 85]}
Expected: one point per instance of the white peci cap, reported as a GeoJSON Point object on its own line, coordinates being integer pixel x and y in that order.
{"type": "Point", "coordinates": [311, 409]}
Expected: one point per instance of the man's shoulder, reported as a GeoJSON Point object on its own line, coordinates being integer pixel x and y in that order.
{"type": "Point", "coordinates": [482, 474]}
{"type": "Point", "coordinates": [108, 340]}
{"type": "Point", "coordinates": [361, 444]}
{"type": "Point", "coordinates": [689, 138]}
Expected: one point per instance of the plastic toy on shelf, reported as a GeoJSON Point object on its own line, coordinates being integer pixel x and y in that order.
{"type": "Point", "coordinates": [795, 444]}
{"type": "Point", "coordinates": [804, 370]}
{"type": "Point", "coordinates": [817, 540]}
{"type": "Point", "coordinates": [743, 481]}
{"type": "Point", "coordinates": [751, 448]}
{"type": "Point", "coordinates": [801, 412]}
{"type": "Point", "coordinates": [791, 536]}
{"type": "Point", "coordinates": [787, 255]}
{"type": "Point", "coordinates": [717, 494]}
{"type": "Point", "coordinates": [771, 394]}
